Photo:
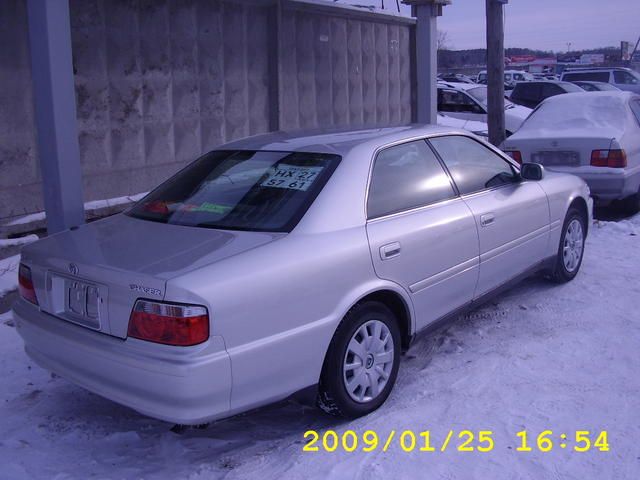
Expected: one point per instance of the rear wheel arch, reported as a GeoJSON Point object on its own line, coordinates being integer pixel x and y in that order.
{"type": "Point", "coordinates": [400, 309]}
{"type": "Point", "coordinates": [580, 204]}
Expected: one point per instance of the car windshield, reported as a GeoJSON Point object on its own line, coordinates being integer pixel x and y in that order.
{"type": "Point", "coordinates": [570, 87]}
{"type": "Point", "coordinates": [240, 190]}
{"type": "Point", "coordinates": [480, 94]}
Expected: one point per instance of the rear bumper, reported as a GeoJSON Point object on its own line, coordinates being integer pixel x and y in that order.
{"type": "Point", "coordinates": [607, 184]}
{"type": "Point", "coordinates": [176, 384]}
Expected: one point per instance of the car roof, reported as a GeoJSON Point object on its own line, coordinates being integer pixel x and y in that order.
{"type": "Point", "coordinates": [335, 141]}
{"type": "Point", "coordinates": [582, 97]}
{"type": "Point", "coordinates": [460, 85]}
{"type": "Point", "coordinates": [594, 69]}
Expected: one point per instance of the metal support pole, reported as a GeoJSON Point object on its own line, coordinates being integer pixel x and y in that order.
{"type": "Point", "coordinates": [427, 63]}
{"type": "Point", "coordinates": [55, 112]}
{"type": "Point", "coordinates": [495, 70]}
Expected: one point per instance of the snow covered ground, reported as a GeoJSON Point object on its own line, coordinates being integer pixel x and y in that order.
{"type": "Point", "coordinates": [9, 274]}
{"type": "Point", "coordinates": [540, 357]}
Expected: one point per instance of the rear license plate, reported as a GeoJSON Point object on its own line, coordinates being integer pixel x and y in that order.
{"type": "Point", "coordinates": [78, 301]}
{"type": "Point", "coordinates": [568, 159]}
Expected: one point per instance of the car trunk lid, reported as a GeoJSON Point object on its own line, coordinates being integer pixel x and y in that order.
{"type": "Point", "coordinates": [558, 151]}
{"type": "Point", "coordinates": [93, 275]}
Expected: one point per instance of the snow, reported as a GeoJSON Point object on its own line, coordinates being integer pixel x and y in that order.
{"type": "Point", "coordinates": [16, 242]}
{"type": "Point", "coordinates": [580, 114]}
{"type": "Point", "coordinates": [9, 274]}
{"type": "Point", "coordinates": [539, 357]}
{"type": "Point", "coordinates": [92, 205]}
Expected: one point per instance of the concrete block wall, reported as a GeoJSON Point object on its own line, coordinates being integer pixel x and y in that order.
{"type": "Point", "coordinates": [158, 82]}
{"type": "Point", "coordinates": [337, 68]}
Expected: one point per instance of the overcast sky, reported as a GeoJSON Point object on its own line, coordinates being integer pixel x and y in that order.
{"type": "Point", "coordinates": [541, 24]}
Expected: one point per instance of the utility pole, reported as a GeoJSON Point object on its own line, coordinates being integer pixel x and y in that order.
{"type": "Point", "coordinates": [55, 112]}
{"type": "Point", "coordinates": [426, 57]}
{"type": "Point", "coordinates": [495, 70]}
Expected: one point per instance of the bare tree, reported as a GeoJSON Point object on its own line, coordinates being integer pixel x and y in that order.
{"type": "Point", "coordinates": [443, 40]}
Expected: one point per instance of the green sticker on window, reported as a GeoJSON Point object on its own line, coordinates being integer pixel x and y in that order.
{"type": "Point", "coordinates": [212, 208]}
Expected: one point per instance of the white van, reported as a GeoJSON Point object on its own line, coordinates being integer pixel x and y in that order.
{"type": "Point", "coordinates": [511, 77]}
{"type": "Point", "coordinates": [623, 78]}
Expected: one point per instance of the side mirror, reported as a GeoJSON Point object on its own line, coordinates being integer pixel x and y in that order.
{"type": "Point", "coordinates": [532, 171]}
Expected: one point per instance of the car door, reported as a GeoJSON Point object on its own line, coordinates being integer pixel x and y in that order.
{"type": "Point", "coordinates": [458, 104]}
{"type": "Point", "coordinates": [422, 235]}
{"type": "Point", "coordinates": [512, 215]}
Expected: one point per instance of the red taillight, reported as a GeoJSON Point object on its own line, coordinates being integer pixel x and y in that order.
{"type": "Point", "coordinates": [180, 325]}
{"type": "Point", "coordinates": [25, 284]}
{"type": "Point", "coordinates": [515, 154]}
{"type": "Point", "coordinates": [609, 158]}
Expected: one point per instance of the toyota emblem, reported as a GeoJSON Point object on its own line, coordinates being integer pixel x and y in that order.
{"type": "Point", "coordinates": [73, 269]}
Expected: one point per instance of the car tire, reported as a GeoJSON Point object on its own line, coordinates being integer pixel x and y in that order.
{"type": "Point", "coordinates": [339, 369]}
{"type": "Point", "coordinates": [571, 248]}
{"type": "Point", "coordinates": [631, 204]}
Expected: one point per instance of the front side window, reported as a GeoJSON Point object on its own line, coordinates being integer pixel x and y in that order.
{"type": "Point", "coordinates": [625, 78]}
{"type": "Point", "coordinates": [406, 176]}
{"type": "Point", "coordinates": [473, 166]}
{"type": "Point", "coordinates": [240, 190]}
{"type": "Point", "coordinates": [457, 102]}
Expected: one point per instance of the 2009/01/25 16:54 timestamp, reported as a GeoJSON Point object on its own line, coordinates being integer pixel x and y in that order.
{"type": "Point", "coordinates": [462, 441]}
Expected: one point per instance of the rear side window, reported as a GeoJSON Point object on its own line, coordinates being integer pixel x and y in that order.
{"type": "Point", "coordinates": [624, 78]}
{"type": "Point", "coordinates": [527, 91]}
{"type": "Point", "coordinates": [240, 190]}
{"type": "Point", "coordinates": [551, 89]}
{"type": "Point", "coordinates": [473, 166]}
{"type": "Point", "coordinates": [587, 76]}
{"type": "Point", "coordinates": [406, 176]}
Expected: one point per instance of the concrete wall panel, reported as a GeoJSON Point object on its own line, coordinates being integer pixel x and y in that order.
{"type": "Point", "coordinates": [158, 82]}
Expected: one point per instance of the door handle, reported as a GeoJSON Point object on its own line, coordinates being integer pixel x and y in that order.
{"type": "Point", "coordinates": [487, 219]}
{"type": "Point", "coordinates": [390, 250]}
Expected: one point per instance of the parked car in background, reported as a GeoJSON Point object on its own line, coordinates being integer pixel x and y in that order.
{"type": "Point", "coordinates": [288, 261]}
{"type": "Point", "coordinates": [623, 78]}
{"type": "Point", "coordinates": [478, 128]}
{"type": "Point", "coordinates": [530, 94]}
{"type": "Point", "coordinates": [469, 102]}
{"type": "Point", "coordinates": [593, 135]}
{"type": "Point", "coordinates": [597, 86]}
{"type": "Point", "coordinates": [457, 77]}
{"type": "Point", "coordinates": [511, 77]}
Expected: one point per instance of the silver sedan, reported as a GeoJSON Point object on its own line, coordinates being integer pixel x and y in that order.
{"type": "Point", "coordinates": [283, 262]}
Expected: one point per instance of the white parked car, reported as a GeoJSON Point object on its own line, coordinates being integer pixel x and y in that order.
{"type": "Point", "coordinates": [622, 78]}
{"type": "Point", "coordinates": [469, 102]}
{"type": "Point", "coordinates": [288, 262]}
{"type": "Point", "coordinates": [595, 135]}
{"type": "Point", "coordinates": [511, 77]}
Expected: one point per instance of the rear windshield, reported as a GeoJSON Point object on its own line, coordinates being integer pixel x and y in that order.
{"type": "Point", "coordinates": [565, 112]}
{"type": "Point", "coordinates": [240, 190]}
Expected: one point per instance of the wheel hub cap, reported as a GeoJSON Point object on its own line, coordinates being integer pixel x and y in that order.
{"type": "Point", "coordinates": [368, 361]}
{"type": "Point", "coordinates": [573, 246]}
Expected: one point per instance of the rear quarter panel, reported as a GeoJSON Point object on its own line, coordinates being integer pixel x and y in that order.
{"type": "Point", "coordinates": [278, 306]}
{"type": "Point", "coordinates": [562, 190]}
